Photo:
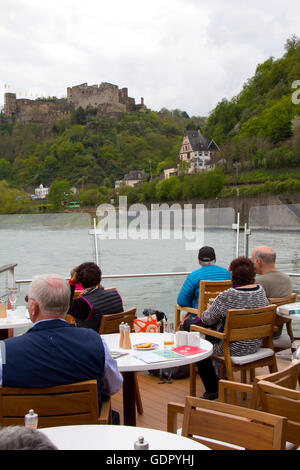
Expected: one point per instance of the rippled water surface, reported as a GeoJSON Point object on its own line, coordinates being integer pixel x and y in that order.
{"type": "Point", "coordinates": [56, 244]}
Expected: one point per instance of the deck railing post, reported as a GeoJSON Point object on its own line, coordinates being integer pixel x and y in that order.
{"type": "Point", "coordinates": [247, 233]}
{"type": "Point", "coordinates": [11, 277]}
{"type": "Point", "coordinates": [237, 228]}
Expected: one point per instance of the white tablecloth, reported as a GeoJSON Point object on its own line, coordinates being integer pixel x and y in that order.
{"type": "Point", "coordinates": [129, 363]}
{"type": "Point", "coordinates": [110, 437]}
{"type": "Point", "coordinates": [18, 318]}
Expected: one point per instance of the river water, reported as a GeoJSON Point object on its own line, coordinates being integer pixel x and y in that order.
{"type": "Point", "coordinates": [55, 243]}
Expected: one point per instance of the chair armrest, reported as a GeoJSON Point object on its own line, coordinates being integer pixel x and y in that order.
{"type": "Point", "coordinates": [207, 331]}
{"type": "Point", "coordinates": [188, 309]}
{"type": "Point", "coordinates": [106, 412]}
{"type": "Point", "coordinates": [185, 309]}
{"type": "Point", "coordinates": [234, 386]}
{"type": "Point", "coordinates": [173, 410]}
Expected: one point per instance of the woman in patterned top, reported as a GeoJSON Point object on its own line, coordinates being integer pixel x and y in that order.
{"type": "Point", "coordinates": [244, 293]}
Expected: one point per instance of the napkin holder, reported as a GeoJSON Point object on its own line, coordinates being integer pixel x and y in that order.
{"type": "Point", "coordinates": [3, 313]}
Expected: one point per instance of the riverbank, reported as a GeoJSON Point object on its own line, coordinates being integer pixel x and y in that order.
{"type": "Point", "coordinates": [245, 206]}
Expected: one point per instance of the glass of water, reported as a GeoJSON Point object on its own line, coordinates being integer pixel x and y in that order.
{"type": "Point", "coordinates": [12, 297]}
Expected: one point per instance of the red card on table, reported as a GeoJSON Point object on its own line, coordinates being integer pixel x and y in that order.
{"type": "Point", "coordinates": [188, 350]}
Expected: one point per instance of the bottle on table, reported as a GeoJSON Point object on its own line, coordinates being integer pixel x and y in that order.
{"type": "Point", "coordinates": [141, 444]}
{"type": "Point", "coordinates": [31, 419]}
{"type": "Point", "coordinates": [121, 340]}
{"type": "Point", "coordinates": [127, 342]}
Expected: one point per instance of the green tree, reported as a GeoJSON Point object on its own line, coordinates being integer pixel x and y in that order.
{"type": "Point", "coordinates": [77, 133]}
{"type": "Point", "coordinates": [51, 164]}
{"type": "Point", "coordinates": [149, 191]}
{"type": "Point", "coordinates": [60, 192]}
{"type": "Point", "coordinates": [169, 189]}
{"type": "Point", "coordinates": [90, 197]}
{"type": "Point", "coordinates": [104, 194]}
{"type": "Point", "coordinates": [65, 151]}
{"type": "Point", "coordinates": [13, 201]}
{"type": "Point", "coordinates": [133, 194]}
{"type": "Point", "coordinates": [5, 168]}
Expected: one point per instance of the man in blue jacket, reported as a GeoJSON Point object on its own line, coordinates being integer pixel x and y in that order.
{"type": "Point", "coordinates": [209, 271]}
{"type": "Point", "coordinates": [54, 352]}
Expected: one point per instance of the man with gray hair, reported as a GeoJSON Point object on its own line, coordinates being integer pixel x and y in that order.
{"type": "Point", "coordinates": [275, 283]}
{"type": "Point", "coordinates": [21, 438]}
{"type": "Point", "coordinates": [54, 352]}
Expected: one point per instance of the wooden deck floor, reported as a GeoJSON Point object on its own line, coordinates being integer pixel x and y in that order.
{"type": "Point", "coordinates": [155, 397]}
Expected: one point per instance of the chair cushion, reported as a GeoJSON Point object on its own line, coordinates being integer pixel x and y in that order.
{"type": "Point", "coordinates": [260, 354]}
{"type": "Point", "coordinates": [283, 341]}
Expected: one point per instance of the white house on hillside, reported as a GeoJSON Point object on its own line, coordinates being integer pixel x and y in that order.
{"type": "Point", "coordinates": [170, 172]}
{"type": "Point", "coordinates": [132, 178]}
{"type": "Point", "coordinates": [41, 192]}
{"type": "Point", "coordinates": [197, 151]}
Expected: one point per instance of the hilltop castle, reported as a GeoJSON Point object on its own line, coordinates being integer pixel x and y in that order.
{"type": "Point", "coordinates": [107, 98]}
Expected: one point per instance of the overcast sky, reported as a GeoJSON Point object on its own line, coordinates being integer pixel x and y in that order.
{"type": "Point", "coordinates": [186, 54]}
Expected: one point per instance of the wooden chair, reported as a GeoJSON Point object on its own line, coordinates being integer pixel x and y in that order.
{"type": "Point", "coordinates": [287, 377]}
{"type": "Point", "coordinates": [243, 324]}
{"type": "Point", "coordinates": [285, 402]}
{"type": "Point", "coordinates": [56, 406]}
{"type": "Point", "coordinates": [70, 319]}
{"type": "Point", "coordinates": [77, 294]}
{"type": "Point", "coordinates": [284, 341]}
{"type": "Point", "coordinates": [110, 324]}
{"type": "Point", "coordinates": [209, 421]}
{"type": "Point", "coordinates": [207, 290]}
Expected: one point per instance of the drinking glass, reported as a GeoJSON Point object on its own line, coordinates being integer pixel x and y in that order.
{"type": "Point", "coordinates": [169, 333]}
{"type": "Point", "coordinates": [12, 297]}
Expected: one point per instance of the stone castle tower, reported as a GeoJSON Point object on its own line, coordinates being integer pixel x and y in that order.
{"type": "Point", "coordinates": [107, 98]}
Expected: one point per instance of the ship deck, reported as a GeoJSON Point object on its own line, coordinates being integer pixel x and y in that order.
{"type": "Point", "coordinates": [155, 397]}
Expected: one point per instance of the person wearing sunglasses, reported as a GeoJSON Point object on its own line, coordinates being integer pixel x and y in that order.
{"type": "Point", "coordinates": [54, 352]}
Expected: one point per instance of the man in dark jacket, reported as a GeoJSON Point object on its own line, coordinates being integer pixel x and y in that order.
{"type": "Point", "coordinates": [54, 352]}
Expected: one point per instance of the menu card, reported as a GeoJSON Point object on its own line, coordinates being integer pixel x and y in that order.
{"type": "Point", "coordinates": [157, 356]}
{"type": "Point", "coordinates": [188, 350]}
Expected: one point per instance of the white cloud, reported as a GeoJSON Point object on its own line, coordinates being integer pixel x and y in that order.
{"type": "Point", "coordinates": [185, 54]}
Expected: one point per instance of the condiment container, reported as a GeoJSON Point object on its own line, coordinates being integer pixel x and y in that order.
{"type": "Point", "coordinates": [121, 340]}
{"type": "Point", "coordinates": [31, 420]}
{"type": "Point", "coordinates": [127, 342]}
{"type": "Point", "coordinates": [141, 444]}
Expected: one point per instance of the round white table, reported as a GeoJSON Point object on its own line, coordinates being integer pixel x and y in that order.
{"type": "Point", "coordinates": [295, 316]}
{"type": "Point", "coordinates": [129, 364]}
{"type": "Point", "coordinates": [110, 437]}
{"type": "Point", "coordinates": [18, 318]}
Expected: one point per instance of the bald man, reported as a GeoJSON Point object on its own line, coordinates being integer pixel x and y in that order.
{"type": "Point", "coordinates": [275, 283]}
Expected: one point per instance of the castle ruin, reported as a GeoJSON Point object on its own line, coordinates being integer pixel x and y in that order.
{"type": "Point", "coordinates": [106, 98]}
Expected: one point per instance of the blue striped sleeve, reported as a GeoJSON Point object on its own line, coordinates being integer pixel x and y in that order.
{"type": "Point", "coordinates": [186, 294]}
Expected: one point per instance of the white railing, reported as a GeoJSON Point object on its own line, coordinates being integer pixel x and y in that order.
{"type": "Point", "coordinates": [11, 275]}
{"type": "Point", "coordinates": [122, 276]}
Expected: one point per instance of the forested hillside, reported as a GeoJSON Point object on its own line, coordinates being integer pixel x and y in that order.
{"type": "Point", "coordinates": [260, 127]}
{"type": "Point", "coordinates": [258, 132]}
{"type": "Point", "coordinates": [87, 150]}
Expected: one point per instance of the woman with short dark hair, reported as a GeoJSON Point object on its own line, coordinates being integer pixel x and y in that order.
{"type": "Point", "coordinates": [95, 300]}
{"type": "Point", "coordinates": [88, 274]}
{"type": "Point", "coordinates": [244, 293]}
